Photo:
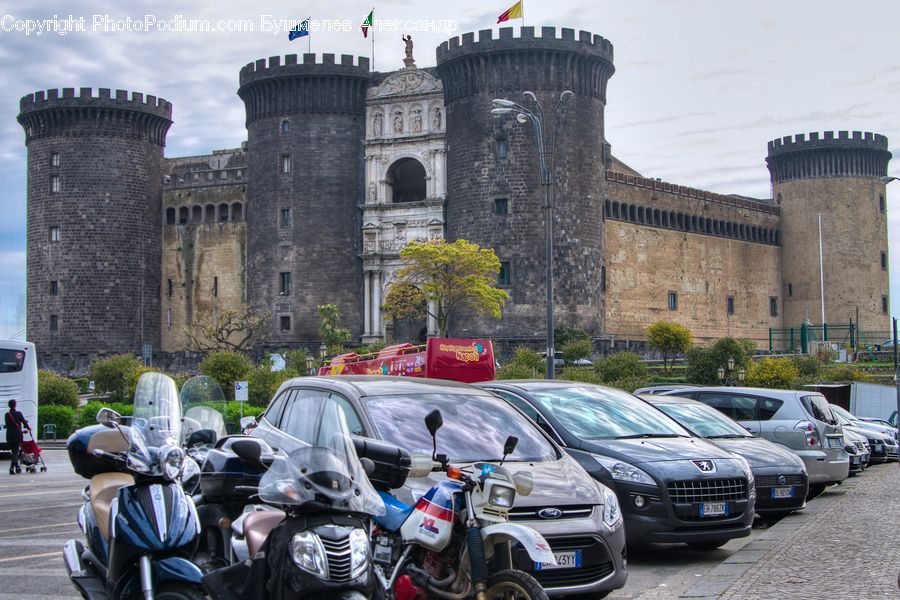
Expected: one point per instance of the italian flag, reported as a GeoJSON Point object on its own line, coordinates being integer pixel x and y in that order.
{"type": "Point", "coordinates": [367, 23]}
{"type": "Point", "coordinates": [514, 12]}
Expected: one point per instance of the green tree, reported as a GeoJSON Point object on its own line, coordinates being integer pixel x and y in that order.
{"type": "Point", "coordinates": [54, 389]}
{"type": "Point", "coordinates": [452, 276]}
{"type": "Point", "coordinates": [524, 364]}
{"type": "Point", "coordinates": [226, 367]}
{"type": "Point", "coordinates": [116, 375]}
{"type": "Point", "coordinates": [295, 360]}
{"type": "Point", "coordinates": [669, 338]}
{"type": "Point", "coordinates": [404, 302]}
{"type": "Point", "coordinates": [621, 365]}
{"type": "Point", "coordinates": [703, 364]}
{"type": "Point", "coordinates": [576, 349]}
{"type": "Point", "coordinates": [564, 335]}
{"type": "Point", "coordinates": [333, 335]}
{"type": "Point", "coordinates": [264, 382]}
{"type": "Point", "coordinates": [771, 372]}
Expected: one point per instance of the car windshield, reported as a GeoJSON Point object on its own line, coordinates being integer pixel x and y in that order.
{"type": "Point", "coordinates": [704, 421]}
{"type": "Point", "coordinates": [597, 413]}
{"type": "Point", "coordinates": [475, 427]}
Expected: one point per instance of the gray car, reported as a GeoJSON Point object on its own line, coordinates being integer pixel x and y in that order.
{"type": "Point", "coordinates": [800, 420]}
{"type": "Point", "coordinates": [579, 517]}
{"type": "Point", "coordinates": [882, 439]}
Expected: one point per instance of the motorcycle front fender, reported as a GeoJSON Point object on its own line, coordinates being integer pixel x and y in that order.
{"type": "Point", "coordinates": [532, 541]}
{"type": "Point", "coordinates": [172, 569]}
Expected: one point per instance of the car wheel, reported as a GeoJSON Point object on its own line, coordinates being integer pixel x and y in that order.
{"type": "Point", "coordinates": [815, 490]}
{"type": "Point", "coordinates": [705, 546]}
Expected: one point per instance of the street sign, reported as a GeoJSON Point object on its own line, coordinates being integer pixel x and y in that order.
{"type": "Point", "coordinates": [91, 386]}
{"type": "Point", "coordinates": [241, 389]}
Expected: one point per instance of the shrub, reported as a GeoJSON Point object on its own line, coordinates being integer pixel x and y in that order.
{"type": "Point", "coordinates": [622, 365]}
{"type": "Point", "coordinates": [87, 414]}
{"type": "Point", "coordinates": [576, 350]}
{"type": "Point", "coordinates": [264, 382]}
{"type": "Point", "coordinates": [54, 389]}
{"type": "Point", "coordinates": [226, 367]}
{"type": "Point", "coordinates": [582, 374]}
{"type": "Point", "coordinates": [770, 372]}
{"type": "Point", "coordinates": [519, 371]}
{"type": "Point", "coordinates": [669, 338]}
{"type": "Point", "coordinates": [703, 364]}
{"type": "Point", "coordinates": [846, 373]}
{"type": "Point", "coordinates": [61, 416]}
{"type": "Point", "coordinates": [296, 360]}
{"type": "Point", "coordinates": [807, 366]}
{"type": "Point", "coordinates": [564, 335]}
{"type": "Point", "coordinates": [116, 376]}
{"type": "Point", "coordinates": [629, 384]}
{"type": "Point", "coordinates": [82, 383]}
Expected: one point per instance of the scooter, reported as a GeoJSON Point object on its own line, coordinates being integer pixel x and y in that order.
{"type": "Point", "coordinates": [139, 525]}
{"type": "Point", "coordinates": [454, 542]}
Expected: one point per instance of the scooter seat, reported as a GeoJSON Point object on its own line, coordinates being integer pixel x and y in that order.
{"type": "Point", "coordinates": [104, 488]}
{"type": "Point", "coordinates": [258, 526]}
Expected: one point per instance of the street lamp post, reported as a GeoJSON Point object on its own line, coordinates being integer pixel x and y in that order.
{"type": "Point", "coordinates": [502, 108]}
{"type": "Point", "coordinates": [886, 180]}
{"type": "Point", "coordinates": [722, 371]}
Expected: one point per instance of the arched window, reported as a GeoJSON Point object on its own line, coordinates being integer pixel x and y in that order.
{"type": "Point", "coordinates": [183, 215]}
{"type": "Point", "coordinates": [237, 211]}
{"type": "Point", "coordinates": [210, 213]}
{"type": "Point", "coordinates": [170, 216]}
{"type": "Point", "coordinates": [615, 210]}
{"type": "Point", "coordinates": [223, 212]}
{"type": "Point", "coordinates": [607, 208]}
{"type": "Point", "coordinates": [657, 219]}
{"type": "Point", "coordinates": [407, 179]}
{"type": "Point", "coordinates": [632, 213]}
{"type": "Point", "coordinates": [695, 224]}
{"type": "Point", "coordinates": [665, 219]}
{"type": "Point", "coordinates": [729, 229]}
{"type": "Point", "coordinates": [741, 231]}
{"type": "Point", "coordinates": [196, 214]}
{"type": "Point", "coordinates": [708, 227]}
{"type": "Point", "coordinates": [640, 215]}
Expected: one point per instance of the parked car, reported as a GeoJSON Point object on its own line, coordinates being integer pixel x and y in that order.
{"type": "Point", "coordinates": [659, 388]}
{"type": "Point", "coordinates": [855, 445]}
{"type": "Point", "coordinates": [779, 474]}
{"type": "Point", "coordinates": [882, 438]}
{"type": "Point", "coordinates": [672, 487]}
{"type": "Point", "coordinates": [580, 518]}
{"type": "Point", "coordinates": [798, 419]}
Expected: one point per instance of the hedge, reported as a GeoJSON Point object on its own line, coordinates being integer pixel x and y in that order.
{"type": "Point", "coordinates": [87, 414]}
{"type": "Point", "coordinates": [61, 416]}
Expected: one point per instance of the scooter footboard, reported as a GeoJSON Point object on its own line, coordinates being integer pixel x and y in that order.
{"type": "Point", "coordinates": [532, 541]}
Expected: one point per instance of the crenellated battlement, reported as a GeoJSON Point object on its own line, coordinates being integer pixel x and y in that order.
{"type": "Point", "coordinates": [828, 139]}
{"type": "Point", "coordinates": [551, 38]}
{"type": "Point", "coordinates": [101, 98]}
{"type": "Point", "coordinates": [274, 66]}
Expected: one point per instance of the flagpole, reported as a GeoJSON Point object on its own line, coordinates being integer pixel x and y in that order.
{"type": "Point", "coordinates": [523, 13]}
{"type": "Point", "coordinates": [373, 37]}
{"type": "Point", "coordinates": [308, 35]}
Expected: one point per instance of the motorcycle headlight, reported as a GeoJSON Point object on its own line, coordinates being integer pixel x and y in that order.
{"type": "Point", "coordinates": [133, 463]}
{"type": "Point", "coordinates": [623, 471]}
{"type": "Point", "coordinates": [171, 461]}
{"type": "Point", "coordinates": [308, 553]}
{"type": "Point", "coordinates": [611, 513]}
{"type": "Point", "coordinates": [502, 496]}
{"type": "Point", "coordinates": [359, 552]}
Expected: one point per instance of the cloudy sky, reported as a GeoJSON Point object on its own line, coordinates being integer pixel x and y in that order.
{"type": "Point", "coordinates": [700, 85]}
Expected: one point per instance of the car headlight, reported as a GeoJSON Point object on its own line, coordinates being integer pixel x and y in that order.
{"type": "Point", "coordinates": [171, 461]}
{"type": "Point", "coordinates": [746, 467]}
{"type": "Point", "coordinates": [309, 553]}
{"type": "Point", "coordinates": [359, 552]}
{"type": "Point", "coordinates": [611, 513]}
{"type": "Point", "coordinates": [623, 471]}
{"type": "Point", "coordinates": [502, 496]}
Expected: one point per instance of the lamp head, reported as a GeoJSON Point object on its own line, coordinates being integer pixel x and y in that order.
{"type": "Point", "coordinates": [522, 118]}
{"type": "Point", "coordinates": [886, 179]}
{"type": "Point", "coordinates": [731, 363]}
{"type": "Point", "coordinates": [566, 94]}
{"type": "Point", "coordinates": [500, 112]}
{"type": "Point", "coordinates": [502, 103]}
{"type": "Point", "coordinates": [531, 96]}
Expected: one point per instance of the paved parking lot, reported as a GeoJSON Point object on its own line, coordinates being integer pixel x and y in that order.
{"type": "Point", "coordinates": [842, 546]}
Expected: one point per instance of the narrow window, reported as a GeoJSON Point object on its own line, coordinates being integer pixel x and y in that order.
{"type": "Point", "coordinates": [603, 278]}
{"type": "Point", "coordinates": [54, 234]}
{"type": "Point", "coordinates": [501, 206]}
{"type": "Point", "coordinates": [503, 276]}
{"type": "Point", "coordinates": [54, 288]}
{"type": "Point", "coordinates": [223, 174]}
{"type": "Point", "coordinates": [673, 300]}
{"type": "Point", "coordinates": [502, 149]}
{"type": "Point", "coordinates": [773, 306]}
{"type": "Point", "coordinates": [54, 324]}
{"type": "Point", "coordinates": [790, 290]}
{"type": "Point", "coordinates": [881, 203]}
{"type": "Point", "coordinates": [884, 305]}
{"type": "Point", "coordinates": [285, 163]}
{"type": "Point", "coordinates": [239, 173]}
{"type": "Point", "coordinates": [285, 285]}
{"type": "Point", "coordinates": [169, 318]}
{"type": "Point", "coordinates": [285, 127]}
{"type": "Point", "coordinates": [169, 291]}
{"type": "Point", "coordinates": [215, 287]}
{"type": "Point", "coordinates": [729, 305]}
{"type": "Point", "coordinates": [54, 184]}
{"type": "Point", "coordinates": [54, 161]}
{"type": "Point", "coordinates": [170, 216]}
{"type": "Point", "coordinates": [285, 323]}
{"type": "Point", "coordinates": [285, 217]}
{"type": "Point", "coordinates": [884, 261]}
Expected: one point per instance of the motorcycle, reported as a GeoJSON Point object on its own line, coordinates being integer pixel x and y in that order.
{"type": "Point", "coordinates": [313, 541]}
{"type": "Point", "coordinates": [139, 524]}
{"type": "Point", "coordinates": [454, 542]}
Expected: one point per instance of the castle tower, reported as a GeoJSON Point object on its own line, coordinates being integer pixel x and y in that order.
{"type": "Point", "coordinates": [493, 185]}
{"type": "Point", "coordinates": [305, 132]}
{"type": "Point", "coordinates": [837, 176]}
{"type": "Point", "coordinates": [94, 196]}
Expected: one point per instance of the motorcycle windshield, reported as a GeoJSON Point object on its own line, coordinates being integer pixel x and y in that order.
{"type": "Point", "coordinates": [203, 405]}
{"type": "Point", "coordinates": [324, 470]}
{"type": "Point", "coordinates": [157, 414]}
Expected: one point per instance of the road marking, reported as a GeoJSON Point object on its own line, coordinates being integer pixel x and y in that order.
{"type": "Point", "coordinates": [42, 507]}
{"type": "Point", "coordinates": [38, 527]}
{"type": "Point", "coordinates": [43, 493]}
{"type": "Point", "coordinates": [44, 555]}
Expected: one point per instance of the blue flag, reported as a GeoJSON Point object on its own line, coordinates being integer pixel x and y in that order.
{"type": "Point", "coordinates": [299, 31]}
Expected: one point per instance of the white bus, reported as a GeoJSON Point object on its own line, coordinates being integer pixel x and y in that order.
{"type": "Point", "coordinates": [19, 382]}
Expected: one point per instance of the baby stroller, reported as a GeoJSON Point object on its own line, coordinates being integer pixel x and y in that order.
{"type": "Point", "coordinates": [30, 455]}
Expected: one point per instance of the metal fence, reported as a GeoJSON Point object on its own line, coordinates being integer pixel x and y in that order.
{"type": "Point", "coordinates": [808, 337]}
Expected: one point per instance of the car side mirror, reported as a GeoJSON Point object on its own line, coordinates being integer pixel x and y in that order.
{"type": "Point", "coordinates": [108, 417]}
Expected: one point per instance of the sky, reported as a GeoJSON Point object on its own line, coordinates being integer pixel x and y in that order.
{"type": "Point", "coordinates": [700, 85]}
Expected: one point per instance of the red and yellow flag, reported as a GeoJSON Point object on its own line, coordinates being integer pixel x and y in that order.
{"type": "Point", "coordinates": [514, 12]}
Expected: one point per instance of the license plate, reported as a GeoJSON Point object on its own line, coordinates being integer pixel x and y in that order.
{"type": "Point", "coordinates": [854, 460]}
{"type": "Point", "coordinates": [564, 560]}
{"type": "Point", "coordinates": [783, 492]}
{"type": "Point", "coordinates": [837, 442]}
{"type": "Point", "coordinates": [713, 509]}
{"type": "Point", "coordinates": [879, 448]}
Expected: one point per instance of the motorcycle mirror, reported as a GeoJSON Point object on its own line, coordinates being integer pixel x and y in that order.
{"type": "Point", "coordinates": [368, 466]}
{"type": "Point", "coordinates": [434, 421]}
{"type": "Point", "coordinates": [247, 450]}
{"type": "Point", "coordinates": [108, 417]}
{"type": "Point", "coordinates": [248, 423]}
{"type": "Point", "coordinates": [509, 446]}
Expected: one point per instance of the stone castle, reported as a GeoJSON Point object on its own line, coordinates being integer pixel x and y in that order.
{"type": "Point", "coordinates": [343, 166]}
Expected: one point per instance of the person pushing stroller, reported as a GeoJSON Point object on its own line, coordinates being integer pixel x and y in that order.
{"type": "Point", "coordinates": [15, 426]}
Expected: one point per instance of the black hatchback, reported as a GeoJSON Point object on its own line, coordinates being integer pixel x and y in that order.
{"type": "Point", "coordinates": [672, 487]}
